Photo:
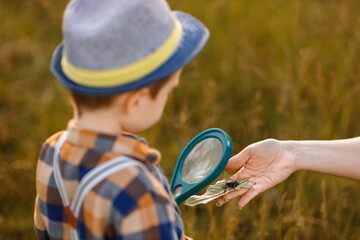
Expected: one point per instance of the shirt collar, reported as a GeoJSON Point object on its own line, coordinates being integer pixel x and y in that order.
{"type": "Point", "coordinates": [123, 144]}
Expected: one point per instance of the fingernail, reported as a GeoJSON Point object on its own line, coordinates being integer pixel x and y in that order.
{"type": "Point", "coordinates": [218, 204]}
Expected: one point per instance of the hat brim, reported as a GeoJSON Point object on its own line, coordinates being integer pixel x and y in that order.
{"type": "Point", "coordinates": [194, 38]}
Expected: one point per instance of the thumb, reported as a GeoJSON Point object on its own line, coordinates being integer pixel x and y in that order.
{"type": "Point", "coordinates": [238, 160]}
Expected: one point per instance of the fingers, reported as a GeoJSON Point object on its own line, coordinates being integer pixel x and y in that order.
{"type": "Point", "coordinates": [248, 194]}
{"type": "Point", "coordinates": [238, 160]}
{"type": "Point", "coordinates": [223, 199]}
{"type": "Point", "coordinates": [252, 193]}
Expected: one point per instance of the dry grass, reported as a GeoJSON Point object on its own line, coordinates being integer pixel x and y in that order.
{"type": "Point", "coordinates": [281, 69]}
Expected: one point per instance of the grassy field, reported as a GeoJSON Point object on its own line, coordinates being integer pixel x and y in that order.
{"type": "Point", "coordinates": [280, 69]}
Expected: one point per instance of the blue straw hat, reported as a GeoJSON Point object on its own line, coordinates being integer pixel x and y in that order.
{"type": "Point", "coordinates": [114, 46]}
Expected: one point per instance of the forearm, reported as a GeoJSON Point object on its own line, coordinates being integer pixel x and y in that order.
{"type": "Point", "coordinates": [337, 157]}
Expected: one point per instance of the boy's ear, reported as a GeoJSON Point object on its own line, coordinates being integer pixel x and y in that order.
{"type": "Point", "coordinates": [132, 100]}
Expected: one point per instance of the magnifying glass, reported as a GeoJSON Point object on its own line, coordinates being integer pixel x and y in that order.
{"type": "Point", "coordinates": [200, 163]}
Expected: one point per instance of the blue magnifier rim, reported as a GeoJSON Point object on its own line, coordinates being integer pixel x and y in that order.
{"type": "Point", "coordinates": [190, 189]}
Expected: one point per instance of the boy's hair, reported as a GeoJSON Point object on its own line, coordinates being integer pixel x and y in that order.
{"type": "Point", "coordinates": [95, 102]}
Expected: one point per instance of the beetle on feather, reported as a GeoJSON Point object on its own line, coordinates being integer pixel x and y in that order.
{"type": "Point", "coordinates": [230, 184]}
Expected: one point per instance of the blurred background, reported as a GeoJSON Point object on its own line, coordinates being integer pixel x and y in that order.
{"type": "Point", "coordinates": [272, 69]}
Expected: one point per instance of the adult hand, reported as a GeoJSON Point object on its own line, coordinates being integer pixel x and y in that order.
{"type": "Point", "coordinates": [270, 162]}
{"type": "Point", "coordinates": [264, 164]}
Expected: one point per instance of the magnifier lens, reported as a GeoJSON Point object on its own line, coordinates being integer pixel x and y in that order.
{"type": "Point", "coordinates": [202, 160]}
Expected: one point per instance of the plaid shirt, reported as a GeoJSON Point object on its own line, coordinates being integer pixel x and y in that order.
{"type": "Point", "coordinates": [129, 204]}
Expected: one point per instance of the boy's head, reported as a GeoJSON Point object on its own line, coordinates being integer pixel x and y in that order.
{"type": "Point", "coordinates": [132, 111]}
{"type": "Point", "coordinates": [88, 103]}
{"type": "Point", "coordinates": [122, 46]}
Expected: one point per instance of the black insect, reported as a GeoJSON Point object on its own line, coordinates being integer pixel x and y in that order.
{"type": "Point", "coordinates": [230, 184]}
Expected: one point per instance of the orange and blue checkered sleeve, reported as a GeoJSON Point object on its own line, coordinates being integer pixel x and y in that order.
{"type": "Point", "coordinates": [40, 228]}
{"type": "Point", "coordinates": [131, 204]}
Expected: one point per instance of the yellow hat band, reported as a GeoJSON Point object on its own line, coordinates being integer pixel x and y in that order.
{"type": "Point", "coordinates": [126, 74]}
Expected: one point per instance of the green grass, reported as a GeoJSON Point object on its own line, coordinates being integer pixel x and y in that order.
{"type": "Point", "coordinates": [280, 69]}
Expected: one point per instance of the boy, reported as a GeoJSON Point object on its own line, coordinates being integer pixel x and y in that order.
{"type": "Point", "coordinates": [120, 59]}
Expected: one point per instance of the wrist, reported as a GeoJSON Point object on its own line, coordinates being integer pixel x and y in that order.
{"type": "Point", "coordinates": [291, 149]}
